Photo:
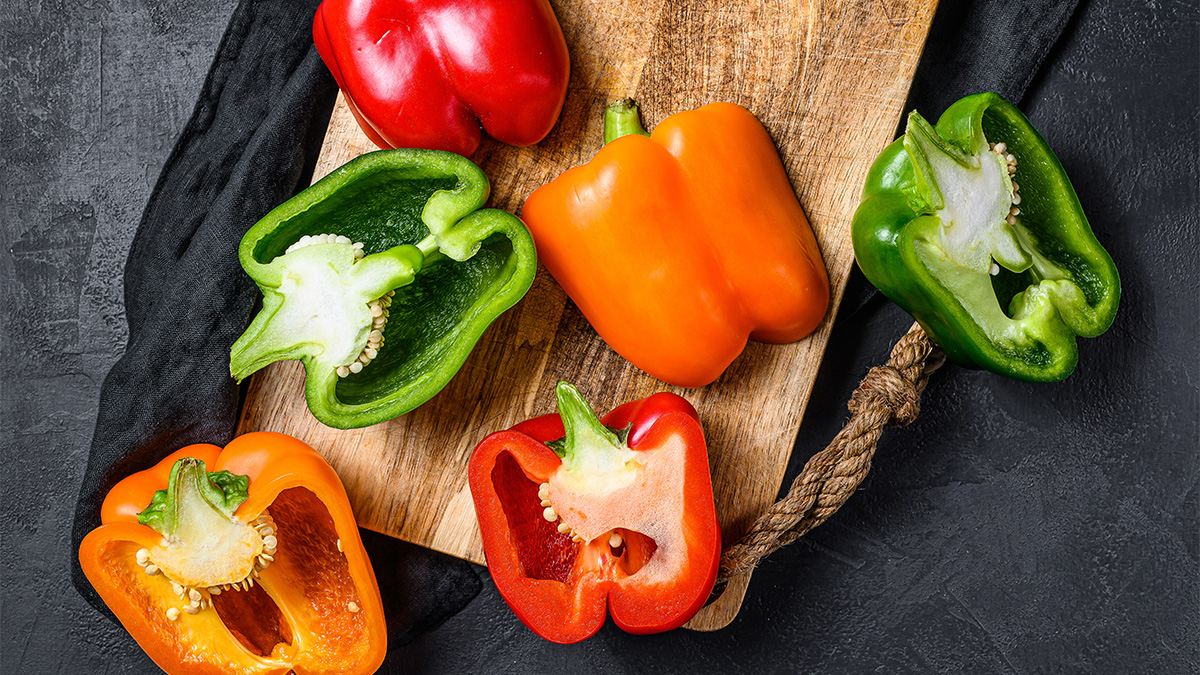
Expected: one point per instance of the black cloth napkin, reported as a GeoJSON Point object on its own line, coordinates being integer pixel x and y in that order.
{"type": "Point", "coordinates": [252, 142]}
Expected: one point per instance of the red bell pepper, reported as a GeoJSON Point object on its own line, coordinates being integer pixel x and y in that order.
{"type": "Point", "coordinates": [427, 74]}
{"type": "Point", "coordinates": [615, 511]}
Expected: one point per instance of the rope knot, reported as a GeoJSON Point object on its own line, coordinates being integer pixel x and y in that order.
{"type": "Point", "coordinates": [889, 394]}
{"type": "Point", "coordinates": [886, 388]}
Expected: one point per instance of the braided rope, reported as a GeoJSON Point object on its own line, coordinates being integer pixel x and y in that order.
{"type": "Point", "coordinates": [888, 395]}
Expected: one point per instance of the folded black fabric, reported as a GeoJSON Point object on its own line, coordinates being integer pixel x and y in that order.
{"type": "Point", "coordinates": [985, 45]}
{"type": "Point", "coordinates": [251, 143]}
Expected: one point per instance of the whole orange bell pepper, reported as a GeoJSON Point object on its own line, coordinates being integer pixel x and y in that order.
{"type": "Point", "coordinates": [680, 245]}
{"type": "Point", "coordinates": [242, 560]}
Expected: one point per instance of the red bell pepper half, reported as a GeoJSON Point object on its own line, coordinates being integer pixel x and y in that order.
{"type": "Point", "coordinates": [426, 74]}
{"type": "Point", "coordinates": [579, 513]}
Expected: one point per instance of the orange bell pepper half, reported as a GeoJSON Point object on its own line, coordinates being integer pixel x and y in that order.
{"type": "Point", "coordinates": [249, 561]}
{"type": "Point", "coordinates": [680, 245]}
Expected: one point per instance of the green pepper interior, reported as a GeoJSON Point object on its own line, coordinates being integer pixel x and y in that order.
{"type": "Point", "coordinates": [422, 319]}
{"type": "Point", "coordinates": [1006, 276]}
{"type": "Point", "coordinates": [1039, 187]}
{"type": "Point", "coordinates": [381, 210]}
{"type": "Point", "coordinates": [1006, 283]}
{"type": "Point", "coordinates": [1003, 271]}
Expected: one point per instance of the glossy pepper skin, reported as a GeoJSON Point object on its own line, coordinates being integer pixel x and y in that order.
{"type": "Point", "coordinates": [634, 527]}
{"type": "Point", "coordinates": [680, 245]}
{"type": "Point", "coordinates": [999, 266]}
{"type": "Point", "coordinates": [427, 74]}
{"type": "Point", "coordinates": [314, 609]}
{"type": "Point", "coordinates": [447, 268]}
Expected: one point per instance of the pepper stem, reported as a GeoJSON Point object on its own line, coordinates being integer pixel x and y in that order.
{"type": "Point", "coordinates": [203, 546]}
{"type": "Point", "coordinates": [194, 499]}
{"type": "Point", "coordinates": [430, 249]}
{"type": "Point", "coordinates": [587, 445]}
{"type": "Point", "coordinates": [621, 119]}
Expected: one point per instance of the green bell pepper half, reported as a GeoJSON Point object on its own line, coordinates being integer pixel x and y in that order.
{"type": "Point", "coordinates": [453, 267]}
{"type": "Point", "coordinates": [1002, 289]}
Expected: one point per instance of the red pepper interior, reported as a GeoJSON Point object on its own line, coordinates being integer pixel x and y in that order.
{"type": "Point", "coordinates": [253, 619]}
{"type": "Point", "coordinates": [635, 550]}
{"type": "Point", "coordinates": [544, 552]}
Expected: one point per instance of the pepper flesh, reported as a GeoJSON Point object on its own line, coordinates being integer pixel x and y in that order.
{"type": "Point", "coordinates": [315, 609]}
{"type": "Point", "coordinates": [1002, 271]}
{"type": "Point", "coordinates": [428, 74]}
{"type": "Point", "coordinates": [634, 527]}
{"type": "Point", "coordinates": [680, 245]}
{"type": "Point", "coordinates": [445, 268]}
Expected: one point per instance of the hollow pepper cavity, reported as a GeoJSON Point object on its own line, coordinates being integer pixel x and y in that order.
{"type": "Point", "coordinates": [973, 227]}
{"type": "Point", "coordinates": [680, 245]}
{"type": "Point", "coordinates": [580, 514]}
{"type": "Point", "coordinates": [380, 278]}
{"type": "Point", "coordinates": [428, 74]}
{"type": "Point", "coordinates": [242, 560]}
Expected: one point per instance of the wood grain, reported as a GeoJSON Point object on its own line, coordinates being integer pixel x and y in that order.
{"type": "Point", "coordinates": [828, 79]}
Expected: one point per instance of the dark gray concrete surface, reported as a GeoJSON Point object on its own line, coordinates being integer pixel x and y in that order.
{"type": "Point", "coordinates": [1012, 528]}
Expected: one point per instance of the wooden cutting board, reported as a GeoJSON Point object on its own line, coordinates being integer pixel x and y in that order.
{"type": "Point", "coordinates": [828, 79]}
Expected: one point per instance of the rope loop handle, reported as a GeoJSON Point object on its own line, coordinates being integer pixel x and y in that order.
{"type": "Point", "coordinates": [889, 395]}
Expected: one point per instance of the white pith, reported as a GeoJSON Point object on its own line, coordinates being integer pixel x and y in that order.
{"type": "Point", "coordinates": [622, 493]}
{"type": "Point", "coordinates": [978, 204]}
{"type": "Point", "coordinates": [205, 558]}
{"type": "Point", "coordinates": [337, 326]}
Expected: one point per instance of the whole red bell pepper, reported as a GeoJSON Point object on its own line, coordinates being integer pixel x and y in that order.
{"type": "Point", "coordinates": [579, 513]}
{"type": "Point", "coordinates": [427, 74]}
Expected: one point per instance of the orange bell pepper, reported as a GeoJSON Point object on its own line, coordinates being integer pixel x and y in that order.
{"type": "Point", "coordinates": [250, 561]}
{"type": "Point", "coordinates": [680, 245]}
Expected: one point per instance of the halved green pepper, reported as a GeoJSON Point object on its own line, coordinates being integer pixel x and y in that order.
{"type": "Point", "coordinates": [974, 229]}
{"type": "Point", "coordinates": [380, 278]}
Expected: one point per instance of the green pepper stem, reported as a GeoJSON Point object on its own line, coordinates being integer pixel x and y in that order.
{"type": "Point", "coordinates": [621, 119]}
{"type": "Point", "coordinates": [430, 249]}
{"type": "Point", "coordinates": [585, 440]}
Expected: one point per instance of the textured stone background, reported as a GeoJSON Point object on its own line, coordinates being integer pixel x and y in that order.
{"type": "Point", "coordinates": [1013, 528]}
